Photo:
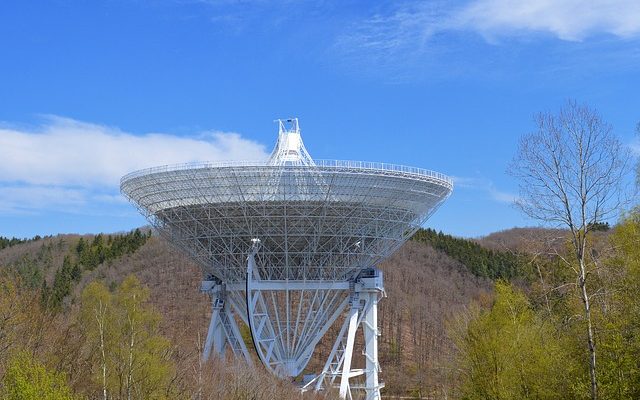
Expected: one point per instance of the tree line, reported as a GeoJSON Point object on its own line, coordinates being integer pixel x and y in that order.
{"type": "Point", "coordinates": [479, 260]}
{"type": "Point", "coordinates": [8, 242]}
{"type": "Point", "coordinates": [105, 340]}
{"type": "Point", "coordinates": [86, 257]}
{"type": "Point", "coordinates": [110, 345]}
{"type": "Point", "coordinates": [526, 347]}
{"type": "Point", "coordinates": [572, 332]}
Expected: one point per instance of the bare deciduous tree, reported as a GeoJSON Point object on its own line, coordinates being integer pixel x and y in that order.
{"type": "Point", "coordinates": [571, 172]}
{"type": "Point", "coordinates": [638, 162]}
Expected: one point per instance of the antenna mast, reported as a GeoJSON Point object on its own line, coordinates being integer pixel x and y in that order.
{"type": "Point", "coordinates": [289, 149]}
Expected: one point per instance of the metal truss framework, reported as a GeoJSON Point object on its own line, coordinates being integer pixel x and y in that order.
{"type": "Point", "coordinates": [361, 302]}
{"type": "Point", "coordinates": [285, 245]}
{"type": "Point", "coordinates": [365, 292]}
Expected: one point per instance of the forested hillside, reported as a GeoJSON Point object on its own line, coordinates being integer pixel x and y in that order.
{"type": "Point", "coordinates": [71, 305]}
{"type": "Point", "coordinates": [440, 323]}
{"type": "Point", "coordinates": [425, 287]}
{"type": "Point", "coordinates": [8, 242]}
{"type": "Point", "coordinates": [481, 261]}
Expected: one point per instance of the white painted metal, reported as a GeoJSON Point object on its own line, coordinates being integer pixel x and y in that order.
{"type": "Point", "coordinates": [289, 149]}
{"type": "Point", "coordinates": [285, 345]}
{"type": "Point", "coordinates": [223, 328]}
{"type": "Point", "coordinates": [365, 293]}
{"type": "Point", "coordinates": [348, 351]}
{"type": "Point", "coordinates": [372, 365]}
{"type": "Point", "coordinates": [215, 336]}
{"type": "Point", "coordinates": [287, 243]}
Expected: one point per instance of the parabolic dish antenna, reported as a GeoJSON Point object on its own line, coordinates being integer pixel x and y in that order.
{"type": "Point", "coordinates": [289, 246]}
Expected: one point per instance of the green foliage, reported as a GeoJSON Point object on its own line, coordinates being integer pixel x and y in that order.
{"type": "Point", "coordinates": [28, 379]}
{"type": "Point", "coordinates": [88, 255]}
{"type": "Point", "coordinates": [28, 269]}
{"type": "Point", "coordinates": [10, 318]}
{"type": "Point", "coordinates": [479, 260]}
{"type": "Point", "coordinates": [523, 340]}
{"type": "Point", "coordinates": [599, 226]}
{"type": "Point", "coordinates": [619, 323]}
{"type": "Point", "coordinates": [63, 282]}
{"type": "Point", "coordinates": [28, 272]}
{"type": "Point", "coordinates": [8, 242]}
{"type": "Point", "coordinates": [131, 357]}
{"type": "Point", "coordinates": [510, 352]}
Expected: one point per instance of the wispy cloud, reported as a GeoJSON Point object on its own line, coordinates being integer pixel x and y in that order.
{"type": "Point", "coordinates": [571, 20]}
{"type": "Point", "coordinates": [487, 186]}
{"type": "Point", "coordinates": [422, 33]}
{"type": "Point", "coordinates": [69, 165]}
{"type": "Point", "coordinates": [503, 197]}
{"type": "Point", "coordinates": [415, 22]}
{"type": "Point", "coordinates": [394, 36]}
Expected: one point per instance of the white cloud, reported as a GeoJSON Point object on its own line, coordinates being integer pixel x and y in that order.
{"type": "Point", "coordinates": [502, 197]}
{"type": "Point", "coordinates": [70, 165]}
{"type": "Point", "coordinates": [487, 186]}
{"type": "Point", "coordinates": [404, 31]}
{"type": "Point", "coordinates": [413, 29]}
{"type": "Point", "coordinates": [69, 152]}
{"type": "Point", "coordinates": [467, 183]}
{"type": "Point", "coordinates": [566, 19]}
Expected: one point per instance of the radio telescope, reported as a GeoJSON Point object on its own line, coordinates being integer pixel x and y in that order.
{"type": "Point", "coordinates": [289, 246]}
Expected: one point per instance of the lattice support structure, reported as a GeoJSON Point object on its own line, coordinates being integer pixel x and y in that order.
{"type": "Point", "coordinates": [365, 292]}
{"type": "Point", "coordinates": [223, 327]}
{"type": "Point", "coordinates": [288, 246]}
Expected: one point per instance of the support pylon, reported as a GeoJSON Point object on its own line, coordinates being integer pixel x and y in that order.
{"type": "Point", "coordinates": [366, 291]}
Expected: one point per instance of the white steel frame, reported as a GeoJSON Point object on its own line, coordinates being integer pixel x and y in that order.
{"type": "Point", "coordinates": [288, 246]}
{"type": "Point", "coordinates": [365, 293]}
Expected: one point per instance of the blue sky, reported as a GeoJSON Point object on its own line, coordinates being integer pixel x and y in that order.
{"type": "Point", "coordinates": [92, 90]}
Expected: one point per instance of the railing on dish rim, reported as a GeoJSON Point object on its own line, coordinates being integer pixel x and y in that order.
{"type": "Point", "coordinates": [360, 165]}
